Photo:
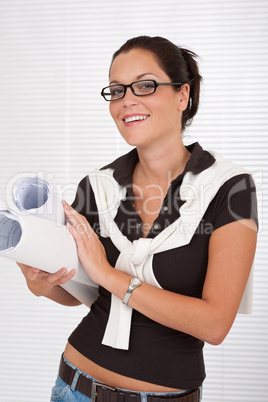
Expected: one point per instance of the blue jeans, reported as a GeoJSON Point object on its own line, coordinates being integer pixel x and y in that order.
{"type": "Point", "coordinates": [62, 392]}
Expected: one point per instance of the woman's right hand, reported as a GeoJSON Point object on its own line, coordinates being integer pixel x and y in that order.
{"type": "Point", "coordinates": [42, 283]}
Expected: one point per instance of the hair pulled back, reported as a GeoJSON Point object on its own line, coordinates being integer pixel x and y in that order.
{"type": "Point", "coordinates": [177, 62]}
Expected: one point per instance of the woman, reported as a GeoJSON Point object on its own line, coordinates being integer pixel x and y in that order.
{"type": "Point", "coordinates": [183, 240]}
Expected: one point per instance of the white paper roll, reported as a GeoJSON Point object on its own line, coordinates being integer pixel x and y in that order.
{"type": "Point", "coordinates": [46, 245]}
{"type": "Point", "coordinates": [247, 299]}
{"type": "Point", "coordinates": [35, 196]}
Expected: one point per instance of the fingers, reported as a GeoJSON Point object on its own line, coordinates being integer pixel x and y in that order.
{"type": "Point", "coordinates": [67, 277]}
{"type": "Point", "coordinates": [24, 266]}
{"type": "Point", "coordinates": [77, 222]}
{"type": "Point", "coordinates": [61, 276]}
{"type": "Point", "coordinates": [33, 273]}
{"type": "Point", "coordinates": [29, 272]}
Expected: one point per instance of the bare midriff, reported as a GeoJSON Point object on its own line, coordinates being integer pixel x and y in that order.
{"type": "Point", "coordinates": [109, 377]}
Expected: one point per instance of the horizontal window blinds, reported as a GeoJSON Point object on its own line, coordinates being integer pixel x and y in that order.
{"type": "Point", "coordinates": [54, 60]}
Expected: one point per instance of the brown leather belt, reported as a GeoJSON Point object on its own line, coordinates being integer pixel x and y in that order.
{"type": "Point", "coordinates": [103, 393]}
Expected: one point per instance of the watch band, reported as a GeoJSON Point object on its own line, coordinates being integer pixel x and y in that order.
{"type": "Point", "coordinates": [134, 283]}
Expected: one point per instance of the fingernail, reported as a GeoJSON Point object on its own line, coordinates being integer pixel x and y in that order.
{"type": "Point", "coordinates": [65, 204]}
{"type": "Point", "coordinates": [36, 270]}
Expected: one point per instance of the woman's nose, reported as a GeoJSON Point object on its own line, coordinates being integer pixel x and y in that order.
{"type": "Point", "coordinates": [130, 98]}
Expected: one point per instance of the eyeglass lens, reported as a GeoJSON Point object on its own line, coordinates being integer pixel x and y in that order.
{"type": "Point", "coordinates": [140, 88]}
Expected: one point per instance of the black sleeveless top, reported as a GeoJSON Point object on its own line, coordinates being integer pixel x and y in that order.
{"type": "Point", "coordinates": [158, 354]}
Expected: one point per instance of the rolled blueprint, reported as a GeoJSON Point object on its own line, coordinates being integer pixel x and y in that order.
{"type": "Point", "coordinates": [247, 299]}
{"type": "Point", "coordinates": [43, 243]}
{"type": "Point", "coordinates": [35, 196]}
{"type": "Point", "coordinates": [46, 245]}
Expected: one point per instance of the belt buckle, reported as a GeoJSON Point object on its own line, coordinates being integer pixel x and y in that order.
{"type": "Point", "coordinates": [95, 385]}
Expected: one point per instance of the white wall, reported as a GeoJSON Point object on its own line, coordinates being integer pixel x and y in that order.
{"type": "Point", "coordinates": [54, 60]}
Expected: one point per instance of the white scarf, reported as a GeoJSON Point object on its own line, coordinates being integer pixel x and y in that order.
{"type": "Point", "coordinates": [197, 190]}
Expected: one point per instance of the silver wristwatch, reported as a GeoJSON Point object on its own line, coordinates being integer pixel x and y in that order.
{"type": "Point", "coordinates": [134, 283]}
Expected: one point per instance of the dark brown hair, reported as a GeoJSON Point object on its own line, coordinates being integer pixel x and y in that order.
{"type": "Point", "coordinates": [177, 62]}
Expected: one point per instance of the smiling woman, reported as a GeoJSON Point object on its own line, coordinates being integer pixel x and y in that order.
{"type": "Point", "coordinates": [166, 285]}
{"type": "Point", "coordinates": [163, 109]}
{"type": "Point", "coordinates": [178, 63]}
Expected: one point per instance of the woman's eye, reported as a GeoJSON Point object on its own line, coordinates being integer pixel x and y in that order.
{"type": "Point", "coordinates": [117, 91]}
{"type": "Point", "coordinates": [146, 85]}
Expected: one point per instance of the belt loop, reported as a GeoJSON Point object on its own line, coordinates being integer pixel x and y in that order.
{"type": "Point", "coordinates": [143, 397]}
{"type": "Point", "coordinates": [200, 392]}
{"type": "Point", "coordinates": [75, 379]}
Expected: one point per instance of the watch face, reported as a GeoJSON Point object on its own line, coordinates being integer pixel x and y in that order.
{"type": "Point", "coordinates": [135, 282]}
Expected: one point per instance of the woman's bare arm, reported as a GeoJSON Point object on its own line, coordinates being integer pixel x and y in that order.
{"type": "Point", "coordinates": [231, 253]}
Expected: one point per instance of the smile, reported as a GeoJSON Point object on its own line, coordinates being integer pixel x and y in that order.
{"type": "Point", "coordinates": [135, 118]}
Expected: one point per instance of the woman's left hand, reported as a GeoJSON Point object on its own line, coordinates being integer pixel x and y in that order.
{"type": "Point", "coordinates": [90, 250]}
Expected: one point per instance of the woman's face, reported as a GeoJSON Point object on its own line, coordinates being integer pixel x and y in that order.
{"type": "Point", "coordinates": [161, 112]}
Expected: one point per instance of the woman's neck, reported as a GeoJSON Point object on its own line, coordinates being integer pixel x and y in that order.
{"type": "Point", "coordinates": [161, 165]}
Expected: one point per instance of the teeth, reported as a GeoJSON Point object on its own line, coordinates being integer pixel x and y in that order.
{"type": "Point", "coordinates": [135, 118]}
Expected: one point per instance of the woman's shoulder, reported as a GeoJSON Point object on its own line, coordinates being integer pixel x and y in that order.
{"type": "Point", "coordinates": [235, 200]}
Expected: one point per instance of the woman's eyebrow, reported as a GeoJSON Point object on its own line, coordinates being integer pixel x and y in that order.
{"type": "Point", "coordinates": [142, 75]}
{"type": "Point", "coordinates": [137, 78]}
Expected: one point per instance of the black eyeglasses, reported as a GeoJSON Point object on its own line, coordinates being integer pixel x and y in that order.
{"type": "Point", "coordinates": [139, 88]}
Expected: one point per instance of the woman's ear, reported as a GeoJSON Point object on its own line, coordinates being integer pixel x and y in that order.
{"type": "Point", "coordinates": [184, 94]}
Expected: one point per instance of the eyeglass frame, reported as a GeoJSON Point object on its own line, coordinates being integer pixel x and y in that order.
{"type": "Point", "coordinates": [156, 85]}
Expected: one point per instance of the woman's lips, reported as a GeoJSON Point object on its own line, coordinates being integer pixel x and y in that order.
{"type": "Point", "coordinates": [133, 119]}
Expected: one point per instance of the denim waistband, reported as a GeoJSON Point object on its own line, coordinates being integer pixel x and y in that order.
{"type": "Point", "coordinates": [143, 394]}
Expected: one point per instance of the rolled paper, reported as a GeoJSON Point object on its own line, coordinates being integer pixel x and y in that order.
{"type": "Point", "coordinates": [34, 195]}
{"type": "Point", "coordinates": [46, 245]}
{"type": "Point", "coordinates": [247, 299]}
